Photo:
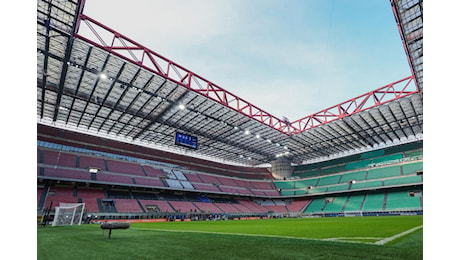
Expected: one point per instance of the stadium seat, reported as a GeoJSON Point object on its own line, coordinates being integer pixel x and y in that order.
{"type": "Point", "coordinates": [335, 204]}
{"type": "Point", "coordinates": [374, 202]}
{"type": "Point", "coordinates": [315, 206]}
{"type": "Point", "coordinates": [285, 185]}
{"type": "Point", "coordinates": [354, 203]}
{"type": "Point", "coordinates": [340, 187]}
{"type": "Point", "coordinates": [366, 185]}
{"type": "Point", "coordinates": [127, 205]}
{"type": "Point", "coordinates": [124, 167]}
{"type": "Point", "coordinates": [411, 168]}
{"type": "Point", "coordinates": [333, 180]}
{"type": "Point", "coordinates": [403, 180]}
{"type": "Point", "coordinates": [328, 180]}
{"type": "Point", "coordinates": [402, 201]}
{"type": "Point", "coordinates": [384, 172]}
{"type": "Point", "coordinates": [357, 176]}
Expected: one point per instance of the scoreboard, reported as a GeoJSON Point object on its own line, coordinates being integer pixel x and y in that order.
{"type": "Point", "coordinates": [186, 140]}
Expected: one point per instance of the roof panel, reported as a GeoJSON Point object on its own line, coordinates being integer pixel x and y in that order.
{"type": "Point", "coordinates": [409, 16]}
{"type": "Point", "coordinates": [134, 101]}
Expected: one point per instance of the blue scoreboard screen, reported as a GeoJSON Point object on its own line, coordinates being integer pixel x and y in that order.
{"type": "Point", "coordinates": [186, 140]}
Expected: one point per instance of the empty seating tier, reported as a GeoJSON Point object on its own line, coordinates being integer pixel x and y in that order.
{"type": "Point", "coordinates": [124, 167]}
{"type": "Point", "coordinates": [341, 187]}
{"type": "Point", "coordinates": [414, 179]}
{"type": "Point", "coordinates": [354, 203]}
{"type": "Point", "coordinates": [335, 204]}
{"type": "Point", "coordinates": [328, 180]}
{"type": "Point", "coordinates": [66, 174]}
{"type": "Point", "coordinates": [357, 176]}
{"type": "Point", "coordinates": [127, 205]}
{"type": "Point", "coordinates": [384, 172]}
{"type": "Point", "coordinates": [86, 162]}
{"type": "Point", "coordinates": [315, 206]}
{"type": "Point", "coordinates": [156, 206]}
{"type": "Point", "coordinates": [342, 184]}
{"type": "Point", "coordinates": [148, 182]}
{"type": "Point", "coordinates": [402, 201]}
{"type": "Point", "coordinates": [412, 168]}
{"type": "Point", "coordinates": [366, 185]}
{"type": "Point", "coordinates": [374, 202]}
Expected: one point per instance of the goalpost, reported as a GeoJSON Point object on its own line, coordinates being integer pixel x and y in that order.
{"type": "Point", "coordinates": [68, 214]}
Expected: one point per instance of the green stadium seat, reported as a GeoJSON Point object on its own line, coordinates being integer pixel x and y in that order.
{"type": "Point", "coordinates": [335, 169]}
{"type": "Point", "coordinates": [384, 172]}
{"type": "Point", "coordinates": [307, 174]}
{"type": "Point", "coordinates": [336, 205]}
{"type": "Point", "coordinates": [328, 180]}
{"type": "Point", "coordinates": [402, 201]}
{"type": "Point", "coordinates": [317, 190]}
{"type": "Point", "coordinates": [288, 185]}
{"type": "Point", "coordinates": [300, 192]}
{"type": "Point", "coordinates": [374, 202]}
{"type": "Point", "coordinates": [403, 180]}
{"type": "Point", "coordinates": [410, 168]}
{"type": "Point", "coordinates": [372, 154]}
{"type": "Point", "coordinates": [414, 154]}
{"type": "Point", "coordinates": [366, 184]}
{"type": "Point", "coordinates": [340, 187]}
{"type": "Point", "coordinates": [287, 192]}
{"type": "Point", "coordinates": [388, 158]}
{"type": "Point", "coordinates": [358, 176]}
{"type": "Point", "coordinates": [357, 165]}
{"type": "Point", "coordinates": [316, 205]}
{"type": "Point", "coordinates": [354, 203]}
{"type": "Point", "coordinates": [301, 184]}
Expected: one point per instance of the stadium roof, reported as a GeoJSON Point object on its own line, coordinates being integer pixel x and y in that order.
{"type": "Point", "coordinates": [93, 79]}
{"type": "Point", "coordinates": [409, 19]}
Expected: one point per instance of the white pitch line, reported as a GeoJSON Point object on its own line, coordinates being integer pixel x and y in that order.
{"type": "Point", "coordinates": [227, 233]}
{"type": "Point", "coordinates": [388, 239]}
{"type": "Point", "coordinates": [340, 240]}
{"type": "Point", "coordinates": [351, 238]}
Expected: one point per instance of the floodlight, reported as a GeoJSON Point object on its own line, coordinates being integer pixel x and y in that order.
{"type": "Point", "coordinates": [93, 170]}
{"type": "Point", "coordinates": [103, 76]}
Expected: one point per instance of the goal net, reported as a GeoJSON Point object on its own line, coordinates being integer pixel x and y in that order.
{"type": "Point", "coordinates": [68, 214]}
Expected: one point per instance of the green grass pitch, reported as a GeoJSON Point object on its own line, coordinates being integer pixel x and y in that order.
{"type": "Point", "coordinates": [395, 237]}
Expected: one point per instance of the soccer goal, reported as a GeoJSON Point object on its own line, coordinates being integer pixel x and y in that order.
{"type": "Point", "coordinates": [68, 214]}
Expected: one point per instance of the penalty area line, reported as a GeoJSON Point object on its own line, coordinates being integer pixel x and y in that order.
{"type": "Point", "coordinates": [388, 239]}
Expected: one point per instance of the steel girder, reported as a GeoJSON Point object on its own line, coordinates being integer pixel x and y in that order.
{"type": "Point", "coordinates": [125, 48]}
{"type": "Point", "coordinates": [217, 116]}
{"type": "Point", "coordinates": [121, 46]}
{"type": "Point", "coordinates": [409, 20]}
{"type": "Point", "coordinates": [380, 96]}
